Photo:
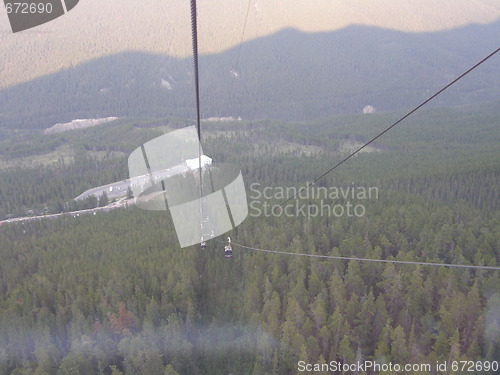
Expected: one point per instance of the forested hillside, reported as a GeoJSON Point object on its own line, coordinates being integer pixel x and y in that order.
{"type": "Point", "coordinates": [445, 145]}
{"type": "Point", "coordinates": [114, 294]}
{"type": "Point", "coordinates": [127, 296]}
{"type": "Point", "coordinates": [289, 75]}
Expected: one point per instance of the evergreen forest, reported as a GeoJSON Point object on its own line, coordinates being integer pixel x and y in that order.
{"type": "Point", "coordinates": [113, 293]}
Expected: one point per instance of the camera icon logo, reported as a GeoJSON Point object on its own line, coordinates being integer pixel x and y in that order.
{"type": "Point", "coordinates": [165, 174]}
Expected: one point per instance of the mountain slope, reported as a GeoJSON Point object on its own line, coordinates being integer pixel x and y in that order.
{"type": "Point", "coordinates": [289, 75]}
{"type": "Point", "coordinates": [101, 28]}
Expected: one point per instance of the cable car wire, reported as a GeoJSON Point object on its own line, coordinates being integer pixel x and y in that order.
{"type": "Point", "coordinates": [392, 126]}
{"type": "Point", "coordinates": [195, 56]}
{"type": "Point", "coordinates": [234, 70]}
{"type": "Point", "coordinates": [194, 32]}
{"type": "Point", "coordinates": [367, 259]}
{"type": "Point", "coordinates": [354, 153]}
{"type": "Point", "coordinates": [242, 36]}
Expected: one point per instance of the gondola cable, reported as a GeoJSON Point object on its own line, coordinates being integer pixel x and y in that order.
{"type": "Point", "coordinates": [242, 37]}
{"type": "Point", "coordinates": [354, 153]}
{"type": "Point", "coordinates": [366, 259]}
{"type": "Point", "coordinates": [234, 70]}
{"type": "Point", "coordinates": [195, 57]}
{"type": "Point", "coordinates": [194, 32]}
{"type": "Point", "coordinates": [392, 126]}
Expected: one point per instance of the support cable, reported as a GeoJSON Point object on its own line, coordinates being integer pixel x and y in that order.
{"type": "Point", "coordinates": [242, 36]}
{"type": "Point", "coordinates": [392, 126]}
{"type": "Point", "coordinates": [194, 32]}
{"type": "Point", "coordinates": [234, 70]}
{"type": "Point", "coordinates": [368, 259]}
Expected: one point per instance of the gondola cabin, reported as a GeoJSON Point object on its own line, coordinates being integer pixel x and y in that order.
{"type": "Point", "coordinates": [228, 250]}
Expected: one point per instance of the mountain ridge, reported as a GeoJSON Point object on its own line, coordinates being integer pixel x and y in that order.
{"type": "Point", "coordinates": [290, 75]}
{"type": "Point", "coordinates": [95, 28]}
